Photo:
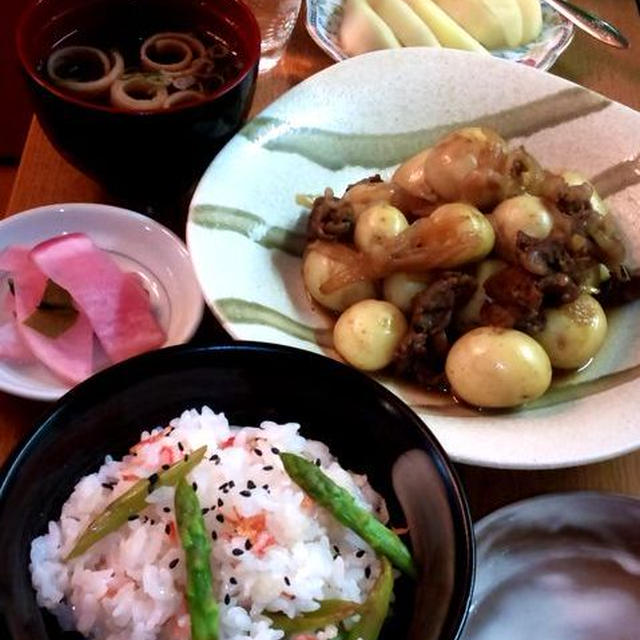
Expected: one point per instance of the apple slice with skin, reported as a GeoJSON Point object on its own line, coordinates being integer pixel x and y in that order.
{"type": "Point", "coordinates": [494, 23]}
{"type": "Point", "coordinates": [405, 23]}
{"type": "Point", "coordinates": [448, 32]}
{"type": "Point", "coordinates": [531, 19]}
{"type": "Point", "coordinates": [363, 30]}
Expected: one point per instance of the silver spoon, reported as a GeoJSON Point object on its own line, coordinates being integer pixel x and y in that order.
{"type": "Point", "coordinates": [595, 26]}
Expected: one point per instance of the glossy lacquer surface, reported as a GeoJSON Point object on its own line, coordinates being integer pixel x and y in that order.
{"type": "Point", "coordinates": [139, 155]}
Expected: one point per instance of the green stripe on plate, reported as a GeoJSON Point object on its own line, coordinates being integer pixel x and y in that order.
{"type": "Point", "coordinates": [249, 225]}
{"type": "Point", "coordinates": [334, 150]}
{"type": "Point", "coordinates": [241, 311]}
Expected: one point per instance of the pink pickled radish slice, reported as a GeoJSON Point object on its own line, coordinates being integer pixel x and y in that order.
{"type": "Point", "coordinates": [115, 302]}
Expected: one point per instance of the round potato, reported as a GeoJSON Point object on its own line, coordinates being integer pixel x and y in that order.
{"type": "Point", "coordinates": [317, 268]}
{"type": "Point", "coordinates": [495, 367]}
{"type": "Point", "coordinates": [573, 178]}
{"type": "Point", "coordinates": [400, 288]}
{"type": "Point", "coordinates": [377, 223]}
{"type": "Point", "coordinates": [524, 213]}
{"type": "Point", "coordinates": [574, 332]}
{"type": "Point", "coordinates": [367, 334]}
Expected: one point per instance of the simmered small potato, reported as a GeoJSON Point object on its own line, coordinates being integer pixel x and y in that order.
{"type": "Point", "coordinates": [463, 225]}
{"type": "Point", "coordinates": [574, 178]}
{"type": "Point", "coordinates": [400, 288]}
{"type": "Point", "coordinates": [469, 315]}
{"type": "Point", "coordinates": [495, 367]}
{"type": "Point", "coordinates": [574, 332]}
{"type": "Point", "coordinates": [524, 213]}
{"type": "Point", "coordinates": [317, 268]}
{"type": "Point", "coordinates": [367, 334]}
{"type": "Point", "coordinates": [377, 223]}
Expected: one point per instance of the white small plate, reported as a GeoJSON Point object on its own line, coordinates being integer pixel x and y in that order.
{"type": "Point", "coordinates": [324, 18]}
{"type": "Point", "coordinates": [139, 245]}
{"type": "Point", "coordinates": [560, 567]}
{"type": "Point", "coordinates": [245, 230]}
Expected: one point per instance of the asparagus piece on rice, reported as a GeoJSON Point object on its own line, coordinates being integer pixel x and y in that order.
{"type": "Point", "coordinates": [132, 501]}
{"type": "Point", "coordinates": [203, 608]}
{"type": "Point", "coordinates": [343, 507]}
{"type": "Point", "coordinates": [376, 608]}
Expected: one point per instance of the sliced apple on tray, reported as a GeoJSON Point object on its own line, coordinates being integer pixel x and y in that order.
{"type": "Point", "coordinates": [475, 25]}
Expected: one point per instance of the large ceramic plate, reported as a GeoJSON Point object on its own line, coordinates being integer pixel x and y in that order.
{"type": "Point", "coordinates": [324, 18]}
{"type": "Point", "coordinates": [365, 115]}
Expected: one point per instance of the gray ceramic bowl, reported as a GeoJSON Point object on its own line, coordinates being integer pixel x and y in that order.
{"type": "Point", "coordinates": [558, 567]}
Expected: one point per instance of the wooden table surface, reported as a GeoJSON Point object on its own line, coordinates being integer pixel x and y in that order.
{"type": "Point", "coordinates": [44, 178]}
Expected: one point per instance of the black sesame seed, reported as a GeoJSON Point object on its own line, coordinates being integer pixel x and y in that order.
{"type": "Point", "coordinates": [336, 549]}
{"type": "Point", "coordinates": [220, 518]}
{"type": "Point", "coordinates": [107, 485]}
{"type": "Point", "coordinates": [214, 535]}
{"type": "Point", "coordinates": [152, 522]}
{"type": "Point", "coordinates": [133, 516]}
{"type": "Point", "coordinates": [232, 580]}
{"type": "Point", "coordinates": [153, 478]}
{"type": "Point", "coordinates": [166, 509]}
{"type": "Point", "coordinates": [194, 485]}
{"type": "Point", "coordinates": [223, 486]}
{"type": "Point", "coordinates": [287, 581]}
{"type": "Point", "coordinates": [237, 552]}
{"type": "Point", "coordinates": [248, 545]}
{"type": "Point", "coordinates": [134, 454]}
{"type": "Point", "coordinates": [275, 451]}
{"type": "Point", "coordinates": [186, 457]}
{"type": "Point", "coordinates": [231, 484]}
{"type": "Point", "coordinates": [180, 446]}
{"type": "Point", "coordinates": [204, 511]}
{"type": "Point", "coordinates": [269, 467]}
{"type": "Point", "coordinates": [215, 458]}
{"type": "Point", "coordinates": [367, 572]}
{"type": "Point", "coordinates": [220, 502]}
{"type": "Point", "coordinates": [227, 599]}
{"type": "Point", "coordinates": [359, 553]}
{"type": "Point", "coordinates": [258, 452]}
{"type": "Point", "coordinates": [245, 493]}
{"type": "Point", "coordinates": [167, 529]}
{"type": "Point", "coordinates": [318, 463]}
{"type": "Point", "coordinates": [145, 519]}
{"type": "Point", "coordinates": [265, 487]}
{"type": "Point", "coordinates": [251, 484]}
{"type": "Point", "coordinates": [165, 467]}
{"type": "Point", "coordinates": [174, 563]}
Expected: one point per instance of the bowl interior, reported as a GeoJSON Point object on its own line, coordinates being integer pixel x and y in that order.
{"type": "Point", "coordinates": [45, 24]}
{"type": "Point", "coordinates": [363, 424]}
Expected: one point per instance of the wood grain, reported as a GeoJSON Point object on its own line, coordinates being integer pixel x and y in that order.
{"type": "Point", "coordinates": [44, 177]}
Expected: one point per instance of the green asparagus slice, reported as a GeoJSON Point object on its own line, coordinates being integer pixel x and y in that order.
{"type": "Point", "coordinates": [132, 501]}
{"type": "Point", "coordinates": [330, 612]}
{"type": "Point", "coordinates": [203, 608]}
{"type": "Point", "coordinates": [343, 507]}
{"type": "Point", "coordinates": [374, 611]}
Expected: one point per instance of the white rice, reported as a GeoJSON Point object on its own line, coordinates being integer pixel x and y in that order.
{"type": "Point", "coordinates": [128, 586]}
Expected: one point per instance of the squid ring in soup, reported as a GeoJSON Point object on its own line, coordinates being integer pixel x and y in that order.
{"type": "Point", "coordinates": [496, 367]}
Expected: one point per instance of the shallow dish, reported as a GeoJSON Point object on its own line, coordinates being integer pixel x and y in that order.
{"type": "Point", "coordinates": [364, 425]}
{"type": "Point", "coordinates": [560, 566]}
{"type": "Point", "coordinates": [325, 16]}
{"type": "Point", "coordinates": [139, 245]}
{"type": "Point", "coordinates": [245, 205]}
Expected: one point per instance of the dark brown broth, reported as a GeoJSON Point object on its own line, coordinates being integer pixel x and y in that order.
{"type": "Point", "coordinates": [226, 62]}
